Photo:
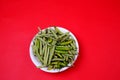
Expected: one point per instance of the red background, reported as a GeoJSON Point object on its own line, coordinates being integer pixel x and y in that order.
{"type": "Point", "coordinates": [96, 24]}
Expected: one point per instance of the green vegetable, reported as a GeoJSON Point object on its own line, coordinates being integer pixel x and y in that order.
{"type": "Point", "coordinates": [54, 33]}
{"type": "Point", "coordinates": [50, 67]}
{"type": "Point", "coordinates": [53, 48]}
{"type": "Point", "coordinates": [66, 43]}
{"type": "Point", "coordinates": [45, 55]}
{"type": "Point", "coordinates": [63, 48]}
{"type": "Point", "coordinates": [73, 46]}
{"type": "Point", "coordinates": [57, 59]}
{"type": "Point", "coordinates": [64, 52]}
{"type": "Point", "coordinates": [44, 41]}
{"type": "Point", "coordinates": [57, 30]}
{"type": "Point", "coordinates": [46, 60]}
{"type": "Point", "coordinates": [59, 55]}
{"type": "Point", "coordinates": [63, 35]}
{"type": "Point", "coordinates": [51, 54]}
{"type": "Point", "coordinates": [41, 52]}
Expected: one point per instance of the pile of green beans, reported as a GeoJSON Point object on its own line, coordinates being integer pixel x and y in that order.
{"type": "Point", "coordinates": [54, 49]}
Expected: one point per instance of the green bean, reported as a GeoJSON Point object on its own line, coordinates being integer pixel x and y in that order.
{"type": "Point", "coordinates": [63, 55]}
{"type": "Point", "coordinates": [41, 53]}
{"type": "Point", "coordinates": [73, 46]}
{"type": "Point", "coordinates": [45, 55]}
{"type": "Point", "coordinates": [34, 50]}
{"type": "Point", "coordinates": [54, 33]}
{"type": "Point", "coordinates": [71, 58]}
{"type": "Point", "coordinates": [73, 52]}
{"type": "Point", "coordinates": [55, 56]}
{"type": "Point", "coordinates": [64, 52]}
{"type": "Point", "coordinates": [69, 45]}
{"type": "Point", "coordinates": [46, 35]}
{"type": "Point", "coordinates": [57, 30]}
{"type": "Point", "coordinates": [43, 49]}
{"type": "Point", "coordinates": [57, 59]}
{"type": "Point", "coordinates": [37, 43]}
{"type": "Point", "coordinates": [36, 47]}
{"type": "Point", "coordinates": [43, 35]}
{"type": "Point", "coordinates": [59, 55]}
{"type": "Point", "coordinates": [66, 58]}
{"type": "Point", "coordinates": [39, 57]}
{"type": "Point", "coordinates": [50, 40]}
{"type": "Point", "coordinates": [70, 52]}
{"type": "Point", "coordinates": [62, 48]}
{"type": "Point", "coordinates": [44, 41]}
{"type": "Point", "coordinates": [46, 59]}
{"type": "Point", "coordinates": [55, 67]}
{"type": "Point", "coordinates": [63, 35]}
{"type": "Point", "coordinates": [54, 62]}
{"type": "Point", "coordinates": [53, 42]}
{"type": "Point", "coordinates": [62, 64]}
{"type": "Point", "coordinates": [69, 55]}
{"type": "Point", "coordinates": [58, 66]}
{"type": "Point", "coordinates": [66, 43]}
{"type": "Point", "coordinates": [51, 54]}
{"type": "Point", "coordinates": [50, 67]}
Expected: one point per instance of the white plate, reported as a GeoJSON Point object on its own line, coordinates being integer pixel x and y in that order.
{"type": "Point", "coordinates": [37, 63]}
